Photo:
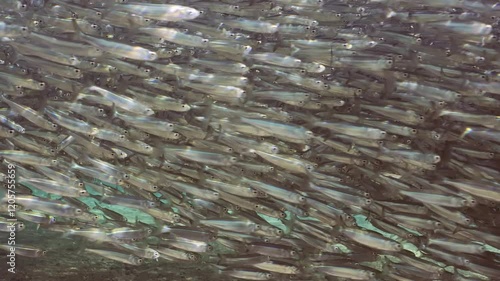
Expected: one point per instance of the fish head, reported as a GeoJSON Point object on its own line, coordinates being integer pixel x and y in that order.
{"type": "Point", "coordinates": [148, 112]}
{"type": "Point", "coordinates": [83, 193]}
{"type": "Point", "coordinates": [190, 13]}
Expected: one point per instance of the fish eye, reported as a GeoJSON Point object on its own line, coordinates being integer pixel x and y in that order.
{"type": "Point", "coordinates": [155, 187]}
{"type": "Point", "coordinates": [94, 26]}
{"type": "Point", "coordinates": [78, 211]}
{"type": "Point", "coordinates": [282, 215]}
{"type": "Point", "coordinates": [83, 192]}
{"type": "Point", "coordinates": [11, 132]}
{"type": "Point", "coordinates": [139, 261]}
{"type": "Point", "coordinates": [44, 253]}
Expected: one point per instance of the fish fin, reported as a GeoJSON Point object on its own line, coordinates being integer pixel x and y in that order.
{"type": "Point", "coordinates": [389, 85]}
{"type": "Point", "coordinates": [113, 114]}
{"type": "Point", "coordinates": [423, 243]}
{"type": "Point", "coordinates": [382, 210]}
{"type": "Point", "coordinates": [207, 114]}
{"type": "Point", "coordinates": [78, 34]}
{"type": "Point", "coordinates": [310, 119]}
{"type": "Point", "coordinates": [103, 197]}
{"type": "Point", "coordinates": [458, 228]}
{"type": "Point", "coordinates": [180, 82]}
{"type": "Point", "coordinates": [83, 246]}
{"type": "Point", "coordinates": [98, 205]}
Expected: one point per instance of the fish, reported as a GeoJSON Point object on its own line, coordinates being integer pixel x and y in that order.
{"type": "Point", "coordinates": [251, 140]}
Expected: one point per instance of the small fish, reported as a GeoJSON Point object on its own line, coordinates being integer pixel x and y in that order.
{"type": "Point", "coordinates": [120, 257]}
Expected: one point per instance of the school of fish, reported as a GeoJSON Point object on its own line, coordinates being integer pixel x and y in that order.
{"type": "Point", "coordinates": [267, 140]}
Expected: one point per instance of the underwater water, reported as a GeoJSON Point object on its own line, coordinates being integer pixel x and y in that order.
{"type": "Point", "coordinates": [249, 140]}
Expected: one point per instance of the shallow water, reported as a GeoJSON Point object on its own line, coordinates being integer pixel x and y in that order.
{"type": "Point", "coordinates": [350, 140]}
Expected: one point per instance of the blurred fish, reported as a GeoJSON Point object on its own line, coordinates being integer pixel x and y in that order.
{"type": "Point", "coordinates": [254, 140]}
